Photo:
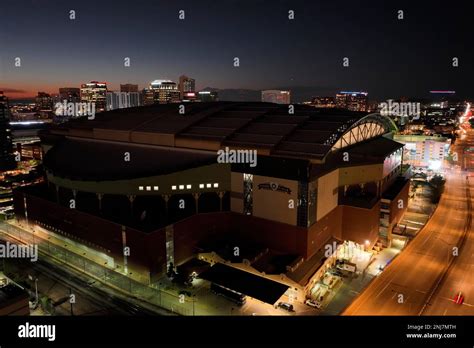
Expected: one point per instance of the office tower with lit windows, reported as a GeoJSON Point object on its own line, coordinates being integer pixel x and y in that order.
{"type": "Point", "coordinates": [161, 92]}
{"type": "Point", "coordinates": [187, 88]}
{"type": "Point", "coordinates": [7, 161]}
{"type": "Point", "coordinates": [122, 100]}
{"type": "Point", "coordinates": [353, 101]}
{"type": "Point", "coordinates": [276, 96]}
{"type": "Point", "coordinates": [44, 101]}
{"type": "Point", "coordinates": [70, 94]}
{"type": "Point", "coordinates": [95, 92]}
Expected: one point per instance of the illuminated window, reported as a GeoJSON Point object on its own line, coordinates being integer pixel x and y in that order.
{"type": "Point", "coordinates": [216, 185]}
{"type": "Point", "coordinates": [156, 188]}
{"type": "Point", "coordinates": [181, 187]}
{"type": "Point", "coordinates": [208, 185]}
{"type": "Point", "coordinates": [148, 188]}
{"type": "Point", "coordinates": [173, 187]}
{"type": "Point", "coordinates": [201, 186]}
{"type": "Point", "coordinates": [188, 187]}
{"type": "Point", "coordinates": [140, 188]}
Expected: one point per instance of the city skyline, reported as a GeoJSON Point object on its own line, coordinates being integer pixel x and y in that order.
{"type": "Point", "coordinates": [397, 59]}
{"type": "Point", "coordinates": [205, 160]}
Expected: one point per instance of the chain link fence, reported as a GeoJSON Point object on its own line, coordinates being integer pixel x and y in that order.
{"type": "Point", "coordinates": [159, 297]}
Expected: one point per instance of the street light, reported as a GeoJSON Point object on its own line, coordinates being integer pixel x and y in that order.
{"type": "Point", "coordinates": [36, 286]}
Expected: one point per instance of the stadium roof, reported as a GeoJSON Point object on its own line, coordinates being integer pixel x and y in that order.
{"type": "Point", "coordinates": [308, 133]}
{"type": "Point", "coordinates": [83, 159]}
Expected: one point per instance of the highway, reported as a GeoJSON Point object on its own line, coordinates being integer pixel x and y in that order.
{"type": "Point", "coordinates": [461, 276]}
{"type": "Point", "coordinates": [419, 280]}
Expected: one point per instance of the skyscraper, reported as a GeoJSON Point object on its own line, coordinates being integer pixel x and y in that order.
{"type": "Point", "coordinates": [7, 161]}
{"type": "Point", "coordinates": [122, 100]}
{"type": "Point", "coordinates": [353, 101]}
{"type": "Point", "coordinates": [70, 94]}
{"type": "Point", "coordinates": [95, 92]}
{"type": "Point", "coordinates": [187, 87]}
{"type": "Point", "coordinates": [44, 101]}
{"type": "Point", "coordinates": [276, 96]}
{"type": "Point", "coordinates": [161, 92]}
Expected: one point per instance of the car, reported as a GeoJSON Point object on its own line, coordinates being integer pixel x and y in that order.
{"type": "Point", "coordinates": [286, 306]}
{"type": "Point", "coordinates": [459, 298]}
{"type": "Point", "coordinates": [313, 303]}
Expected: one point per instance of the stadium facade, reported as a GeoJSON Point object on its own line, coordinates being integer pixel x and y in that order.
{"type": "Point", "coordinates": [148, 179]}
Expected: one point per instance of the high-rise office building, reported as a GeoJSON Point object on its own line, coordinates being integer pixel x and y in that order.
{"type": "Point", "coordinates": [353, 101]}
{"type": "Point", "coordinates": [122, 100]}
{"type": "Point", "coordinates": [95, 92]}
{"type": "Point", "coordinates": [70, 94]}
{"type": "Point", "coordinates": [161, 92]}
{"type": "Point", "coordinates": [276, 96]}
{"type": "Point", "coordinates": [44, 101]}
{"type": "Point", "coordinates": [128, 87]}
{"type": "Point", "coordinates": [7, 161]}
{"type": "Point", "coordinates": [187, 88]}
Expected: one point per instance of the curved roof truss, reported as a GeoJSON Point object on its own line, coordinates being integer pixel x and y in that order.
{"type": "Point", "coordinates": [368, 127]}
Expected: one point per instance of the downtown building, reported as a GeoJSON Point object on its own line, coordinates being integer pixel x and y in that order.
{"type": "Point", "coordinates": [161, 92]}
{"type": "Point", "coordinates": [122, 100]}
{"type": "Point", "coordinates": [44, 102]}
{"type": "Point", "coordinates": [153, 180]}
{"type": "Point", "coordinates": [352, 101]}
{"type": "Point", "coordinates": [95, 92]}
{"type": "Point", "coordinates": [187, 88]}
{"type": "Point", "coordinates": [425, 151]}
{"type": "Point", "coordinates": [7, 161]}
{"type": "Point", "coordinates": [69, 94]}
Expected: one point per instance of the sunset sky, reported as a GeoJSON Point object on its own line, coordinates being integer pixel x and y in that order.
{"type": "Point", "coordinates": [388, 57]}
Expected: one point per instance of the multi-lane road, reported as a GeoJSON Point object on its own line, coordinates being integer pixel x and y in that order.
{"type": "Point", "coordinates": [461, 275]}
{"type": "Point", "coordinates": [419, 281]}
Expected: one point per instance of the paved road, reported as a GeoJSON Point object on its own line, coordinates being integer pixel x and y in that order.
{"type": "Point", "coordinates": [461, 276]}
{"type": "Point", "coordinates": [405, 285]}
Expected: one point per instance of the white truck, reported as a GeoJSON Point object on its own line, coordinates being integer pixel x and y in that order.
{"type": "Point", "coordinates": [347, 266]}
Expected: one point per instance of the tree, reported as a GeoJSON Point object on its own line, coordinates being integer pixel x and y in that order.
{"type": "Point", "coordinates": [437, 184]}
{"type": "Point", "coordinates": [471, 122]}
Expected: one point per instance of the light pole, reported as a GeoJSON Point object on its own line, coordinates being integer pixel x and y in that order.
{"type": "Point", "coordinates": [105, 271]}
{"type": "Point", "coordinates": [65, 253]}
{"type": "Point", "coordinates": [70, 302]}
{"type": "Point", "coordinates": [36, 285]}
{"type": "Point", "coordinates": [84, 261]}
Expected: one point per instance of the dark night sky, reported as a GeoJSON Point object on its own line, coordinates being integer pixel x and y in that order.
{"type": "Point", "coordinates": [388, 57]}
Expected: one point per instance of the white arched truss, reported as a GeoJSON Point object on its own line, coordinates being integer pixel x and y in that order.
{"type": "Point", "coordinates": [371, 126]}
